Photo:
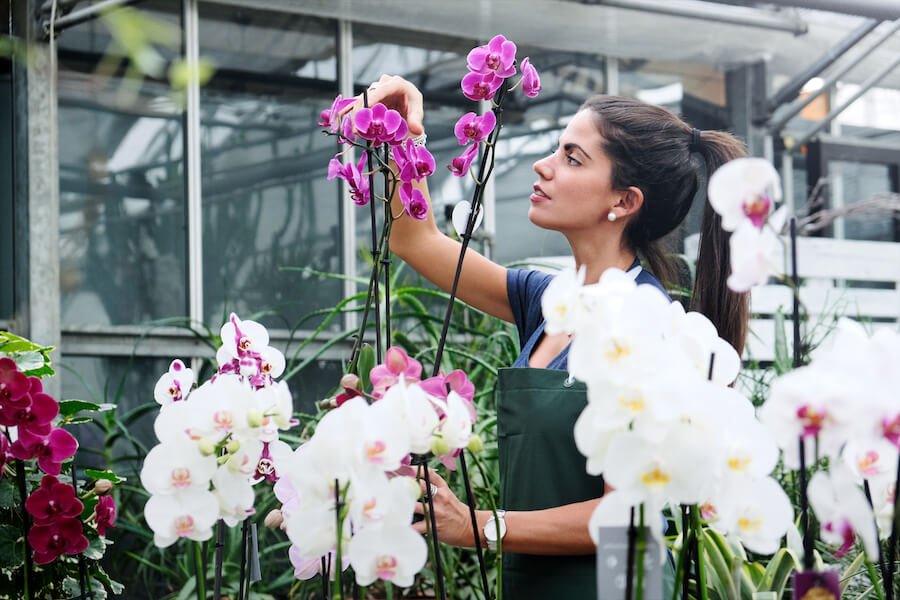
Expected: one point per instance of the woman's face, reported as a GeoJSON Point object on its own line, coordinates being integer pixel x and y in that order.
{"type": "Point", "coordinates": [574, 187]}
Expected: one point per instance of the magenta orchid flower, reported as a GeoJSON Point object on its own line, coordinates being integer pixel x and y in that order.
{"type": "Point", "coordinates": [51, 450]}
{"type": "Point", "coordinates": [36, 417]}
{"type": "Point", "coordinates": [53, 501]}
{"type": "Point", "coordinates": [474, 128]}
{"type": "Point", "coordinates": [380, 124]}
{"type": "Point", "coordinates": [476, 86]}
{"type": "Point", "coordinates": [459, 166]}
{"type": "Point", "coordinates": [397, 364]}
{"type": "Point", "coordinates": [331, 117]}
{"type": "Point", "coordinates": [413, 201]}
{"type": "Point", "coordinates": [531, 81]}
{"type": "Point", "coordinates": [104, 514]}
{"type": "Point", "coordinates": [4, 452]}
{"type": "Point", "coordinates": [353, 174]}
{"type": "Point", "coordinates": [65, 536]}
{"type": "Point", "coordinates": [497, 57]}
{"type": "Point", "coordinates": [455, 381]}
{"type": "Point", "coordinates": [14, 385]}
{"type": "Point", "coordinates": [414, 162]}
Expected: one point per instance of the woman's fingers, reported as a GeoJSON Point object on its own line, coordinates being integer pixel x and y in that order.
{"type": "Point", "coordinates": [398, 94]}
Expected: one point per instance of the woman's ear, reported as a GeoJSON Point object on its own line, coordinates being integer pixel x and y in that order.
{"type": "Point", "coordinates": [630, 201]}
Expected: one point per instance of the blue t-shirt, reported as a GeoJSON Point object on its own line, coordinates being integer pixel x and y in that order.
{"type": "Point", "coordinates": [524, 289]}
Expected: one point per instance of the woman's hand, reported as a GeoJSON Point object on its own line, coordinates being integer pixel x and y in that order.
{"type": "Point", "coordinates": [452, 516]}
{"type": "Point", "coordinates": [398, 94]}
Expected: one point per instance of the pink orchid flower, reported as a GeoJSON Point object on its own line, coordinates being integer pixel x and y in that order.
{"type": "Point", "coordinates": [459, 166]}
{"type": "Point", "coordinates": [413, 201]}
{"type": "Point", "coordinates": [476, 86]}
{"type": "Point", "coordinates": [380, 124]}
{"type": "Point", "coordinates": [53, 501]}
{"type": "Point", "coordinates": [497, 57]}
{"type": "Point", "coordinates": [531, 81]}
{"type": "Point", "coordinates": [51, 450]}
{"type": "Point", "coordinates": [65, 536]}
{"type": "Point", "coordinates": [414, 162]}
{"type": "Point", "coordinates": [473, 128]}
{"type": "Point", "coordinates": [353, 174]}
{"type": "Point", "coordinates": [330, 118]}
{"type": "Point", "coordinates": [396, 364]}
{"type": "Point", "coordinates": [455, 381]}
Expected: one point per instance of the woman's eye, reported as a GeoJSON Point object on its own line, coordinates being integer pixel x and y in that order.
{"type": "Point", "coordinates": [571, 160]}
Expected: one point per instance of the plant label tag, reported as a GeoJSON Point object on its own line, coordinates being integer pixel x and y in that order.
{"type": "Point", "coordinates": [612, 565]}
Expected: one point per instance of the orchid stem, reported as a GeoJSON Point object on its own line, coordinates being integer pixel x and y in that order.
{"type": "Point", "coordinates": [701, 572]}
{"type": "Point", "coordinates": [200, 572]}
{"type": "Point", "coordinates": [629, 559]}
{"type": "Point", "coordinates": [641, 548]}
{"type": "Point", "coordinates": [23, 492]}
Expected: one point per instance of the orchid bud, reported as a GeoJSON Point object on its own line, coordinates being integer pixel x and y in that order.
{"type": "Point", "coordinates": [274, 519]}
{"type": "Point", "coordinates": [476, 444]}
{"type": "Point", "coordinates": [440, 447]}
{"type": "Point", "coordinates": [255, 417]}
{"type": "Point", "coordinates": [328, 403]}
{"type": "Point", "coordinates": [206, 447]}
{"type": "Point", "coordinates": [223, 459]}
{"type": "Point", "coordinates": [350, 381]}
{"type": "Point", "coordinates": [102, 487]}
{"type": "Point", "coordinates": [233, 446]}
{"type": "Point", "coordinates": [396, 360]}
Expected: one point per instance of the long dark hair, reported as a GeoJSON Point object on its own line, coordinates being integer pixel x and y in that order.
{"type": "Point", "coordinates": [651, 148]}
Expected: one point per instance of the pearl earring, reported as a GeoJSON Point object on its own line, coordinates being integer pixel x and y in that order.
{"type": "Point", "coordinates": [611, 217]}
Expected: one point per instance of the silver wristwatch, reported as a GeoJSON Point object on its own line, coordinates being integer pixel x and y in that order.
{"type": "Point", "coordinates": [490, 529]}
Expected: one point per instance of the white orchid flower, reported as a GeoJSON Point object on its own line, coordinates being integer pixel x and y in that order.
{"type": "Point", "coordinates": [812, 402]}
{"type": "Point", "coordinates": [456, 424]}
{"type": "Point", "coordinates": [842, 510]}
{"type": "Point", "coordinates": [176, 467]}
{"type": "Point", "coordinates": [757, 512]}
{"type": "Point", "coordinates": [744, 190]}
{"type": "Point", "coordinates": [313, 529]}
{"type": "Point", "coordinates": [394, 552]}
{"type": "Point", "coordinates": [561, 301]}
{"type": "Point", "coordinates": [698, 339]}
{"type": "Point", "coordinates": [276, 405]}
{"type": "Point", "coordinates": [375, 499]}
{"type": "Point", "coordinates": [756, 253]}
{"type": "Point", "coordinates": [680, 469]}
{"type": "Point", "coordinates": [240, 338]}
{"type": "Point", "coordinates": [221, 407]}
{"type": "Point", "coordinates": [235, 495]}
{"type": "Point", "coordinates": [614, 511]}
{"type": "Point", "coordinates": [190, 514]}
{"type": "Point", "coordinates": [175, 385]}
{"type": "Point", "coordinates": [383, 441]}
{"type": "Point", "coordinates": [415, 412]}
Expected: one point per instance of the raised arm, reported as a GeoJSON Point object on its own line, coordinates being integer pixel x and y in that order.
{"type": "Point", "coordinates": [421, 244]}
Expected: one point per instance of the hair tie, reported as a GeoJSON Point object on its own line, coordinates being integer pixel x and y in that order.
{"type": "Point", "coordinates": [696, 143]}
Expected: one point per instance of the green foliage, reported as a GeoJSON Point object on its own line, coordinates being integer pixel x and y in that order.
{"type": "Point", "coordinates": [32, 359]}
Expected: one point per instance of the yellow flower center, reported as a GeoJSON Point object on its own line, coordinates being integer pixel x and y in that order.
{"type": "Point", "coordinates": [375, 450]}
{"type": "Point", "coordinates": [749, 525]}
{"type": "Point", "coordinates": [739, 463]}
{"type": "Point", "coordinates": [635, 403]}
{"type": "Point", "coordinates": [385, 566]}
{"type": "Point", "coordinates": [223, 420]}
{"type": "Point", "coordinates": [617, 351]}
{"type": "Point", "coordinates": [656, 477]}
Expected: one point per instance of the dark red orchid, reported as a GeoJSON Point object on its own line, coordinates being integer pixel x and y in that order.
{"type": "Point", "coordinates": [63, 536]}
{"type": "Point", "coordinates": [50, 450]}
{"type": "Point", "coordinates": [14, 385]}
{"type": "Point", "coordinates": [36, 417]}
{"type": "Point", "coordinates": [53, 501]}
{"type": "Point", "coordinates": [104, 514]}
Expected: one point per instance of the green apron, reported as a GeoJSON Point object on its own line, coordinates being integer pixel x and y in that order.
{"type": "Point", "coordinates": [540, 467]}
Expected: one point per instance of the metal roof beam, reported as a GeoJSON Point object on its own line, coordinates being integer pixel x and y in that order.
{"type": "Point", "coordinates": [709, 11]}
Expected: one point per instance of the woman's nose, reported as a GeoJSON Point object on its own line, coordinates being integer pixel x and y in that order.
{"type": "Point", "coordinates": [542, 168]}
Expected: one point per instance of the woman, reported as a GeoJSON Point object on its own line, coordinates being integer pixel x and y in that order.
{"type": "Point", "coordinates": [623, 176]}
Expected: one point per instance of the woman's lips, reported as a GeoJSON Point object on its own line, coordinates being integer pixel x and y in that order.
{"type": "Point", "coordinates": [538, 195]}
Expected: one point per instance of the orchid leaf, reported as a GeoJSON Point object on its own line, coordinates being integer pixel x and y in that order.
{"type": "Point", "coordinates": [778, 571]}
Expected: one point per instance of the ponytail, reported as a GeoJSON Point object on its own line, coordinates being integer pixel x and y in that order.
{"type": "Point", "coordinates": [655, 150]}
{"type": "Point", "coordinates": [729, 311]}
